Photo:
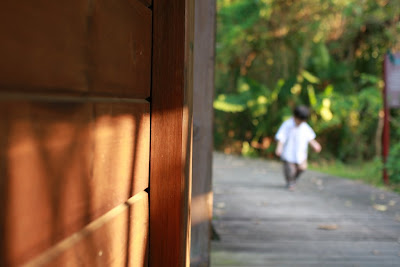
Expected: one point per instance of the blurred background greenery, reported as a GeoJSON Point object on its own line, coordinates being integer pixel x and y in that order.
{"type": "Point", "coordinates": [327, 54]}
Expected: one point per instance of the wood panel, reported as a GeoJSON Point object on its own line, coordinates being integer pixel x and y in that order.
{"type": "Point", "coordinates": [64, 164]}
{"type": "Point", "coordinates": [121, 47]}
{"type": "Point", "coordinates": [203, 91]}
{"type": "Point", "coordinates": [122, 147]}
{"type": "Point", "coordinates": [97, 47]}
{"type": "Point", "coordinates": [119, 238]}
{"type": "Point", "coordinates": [170, 132]}
{"type": "Point", "coordinates": [43, 45]}
{"type": "Point", "coordinates": [138, 245]}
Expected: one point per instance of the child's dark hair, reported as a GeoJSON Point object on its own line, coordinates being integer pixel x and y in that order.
{"type": "Point", "coordinates": [301, 112]}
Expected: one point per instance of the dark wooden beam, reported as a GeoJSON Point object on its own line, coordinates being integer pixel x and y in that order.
{"type": "Point", "coordinates": [170, 133]}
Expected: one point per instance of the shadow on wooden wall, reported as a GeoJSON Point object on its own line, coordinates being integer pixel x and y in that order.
{"type": "Point", "coordinates": [63, 165]}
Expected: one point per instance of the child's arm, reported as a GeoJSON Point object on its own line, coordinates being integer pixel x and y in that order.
{"type": "Point", "coordinates": [279, 148]}
{"type": "Point", "coordinates": [315, 145]}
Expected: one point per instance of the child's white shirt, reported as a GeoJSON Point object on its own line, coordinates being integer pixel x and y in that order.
{"type": "Point", "coordinates": [295, 140]}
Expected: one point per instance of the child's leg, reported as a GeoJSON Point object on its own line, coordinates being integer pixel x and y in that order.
{"type": "Point", "coordinates": [290, 171]}
{"type": "Point", "coordinates": [298, 172]}
{"type": "Point", "coordinates": [300, 168]}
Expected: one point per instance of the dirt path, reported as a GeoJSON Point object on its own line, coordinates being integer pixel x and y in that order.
{"type": "Point", "coordinates": [260, 223]}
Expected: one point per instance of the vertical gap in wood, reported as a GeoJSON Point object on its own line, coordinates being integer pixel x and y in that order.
{"type": "Point", "coordinates": [150, 133]}
{"type": "Point", "coordinates": [187, 121]}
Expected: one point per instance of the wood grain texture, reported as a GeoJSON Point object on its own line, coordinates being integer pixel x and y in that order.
{"type": "Point", "coordinates": [100, 47]}
{"type": "Point", "coordinates": [64, 165]}
{"type": "Point", "coordinates": [169, 180]}
{"type": "Point", "coordinates": [203, 92]}
{"type": "Point", "coordinates": [138, 244]}
{"type": "Point", "coordinates": [122, 146]}
{"type": "Point", "coordinates": [121, 48]}
{"type": "Point", "coordinates": [43, 45]}
{"type": "Point", "coordinates": [119, 238]}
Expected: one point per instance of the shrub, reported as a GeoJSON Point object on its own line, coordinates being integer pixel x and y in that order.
{"type": "Point", "coordinates": [393, 164]}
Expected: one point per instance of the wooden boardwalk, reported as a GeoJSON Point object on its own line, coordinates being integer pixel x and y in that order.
{"type": "Point", "coordinates": [260, 223]}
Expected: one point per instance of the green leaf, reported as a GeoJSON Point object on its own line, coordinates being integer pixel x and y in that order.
{"type": "Point", "coordinates": [309, 77]}
{"type": "Point", "coordinates": [230, 103]}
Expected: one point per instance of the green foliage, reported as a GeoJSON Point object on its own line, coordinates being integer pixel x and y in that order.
{"type": "Point", "coordinates": [393, 163]}
{"type": "Point", "coordinates": [369, 172]}
{"type": "Point", "coordinates": [272, 55]}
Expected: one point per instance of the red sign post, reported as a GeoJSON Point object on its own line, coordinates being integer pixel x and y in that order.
{"type": "Point", "coordinates": [391, 99]}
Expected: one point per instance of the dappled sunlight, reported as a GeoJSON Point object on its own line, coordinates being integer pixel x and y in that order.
{"type": "Point", "coordinates": [325, 111]}
{"type": "Point", "coordinates": [120, 232]}
{"type": "Point", "coordinates": [201, 208]}
{"type": "Point", "coordinates": [66, 167]}
{"type": "Point", "coordinates": [113, 145]}
{"type": "Point", "coordinates": [39, 163]}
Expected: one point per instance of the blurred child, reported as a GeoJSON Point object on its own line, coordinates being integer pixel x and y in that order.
{"type": "Point", "coordinates": [293, 138]}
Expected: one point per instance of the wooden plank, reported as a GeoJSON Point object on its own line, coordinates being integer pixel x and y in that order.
{"type": "Point", "coordinates": [138, 245]}
{"type": "Point", "coordinates": [169, 178]}
{"type": "Point", "coordinates": [65, 164]}
{"type": "Point", "coordinates": [122, 147]}
{"type": "Point", "coordinates": [45, 144]}
{"type": "Point", "coordinates": [100, 47]}
{"type": "Point", "coordinates": [121, 48]}
{"type": "Point", "coordinates": [203, 91]}
{"type": "Point", "coordinates": [119, 238]}
{"type": "Point", "coordinates": [44, 45]}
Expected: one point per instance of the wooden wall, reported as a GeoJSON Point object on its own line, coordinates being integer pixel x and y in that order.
{"type": "Point", "coordinates": [75, 132]}
{"type": "Point", "coordinates": [83, 90]}
{"type": "Point", "coordinates": [203, 92]}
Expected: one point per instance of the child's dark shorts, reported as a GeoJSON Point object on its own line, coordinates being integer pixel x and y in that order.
{"type": "Point", "coordinates": [292, 171]}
